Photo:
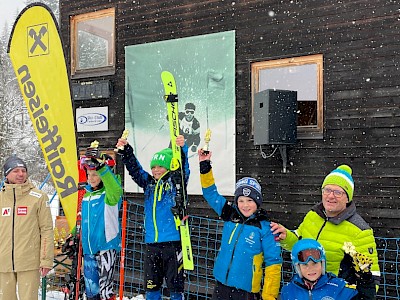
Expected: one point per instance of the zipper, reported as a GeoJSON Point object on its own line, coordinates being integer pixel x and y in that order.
{"type": "Point", "coordinates": [13, 232]}
{"type": "Point", "coordinates": [88, 218]}
{"type": "Point", "coordinates": [320, 230]}
{"type": "Point", "coordinates": [234, 248]}
{"type": "Point", "coordinates": [157, 196]}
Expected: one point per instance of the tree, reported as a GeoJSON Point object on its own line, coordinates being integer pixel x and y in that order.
{"type": "Point", "coordinates": [16, 131]}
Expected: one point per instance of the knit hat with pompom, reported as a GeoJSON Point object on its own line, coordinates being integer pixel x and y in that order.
{"type": "Point", "coordinates": [341, 176]}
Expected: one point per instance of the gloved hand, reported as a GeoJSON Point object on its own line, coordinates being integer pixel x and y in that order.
{"type": "Point", "coordinates": [94, 163]}
{"type": "Point", "coordinates": [355, 266]}
{"type": "Point", "coordinates": [361, 262]}
{"type": "Point", "coordinates": [94, 160]}
{"type": "Point", "coordinates": [70, 248]}
{"type": "Point", "coordinates": [346, 270]}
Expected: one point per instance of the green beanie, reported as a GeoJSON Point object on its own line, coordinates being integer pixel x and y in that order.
{"type": "Point", "coordinates": [341, 176]}
{"type": "Point", "coordinates": [162, 158]}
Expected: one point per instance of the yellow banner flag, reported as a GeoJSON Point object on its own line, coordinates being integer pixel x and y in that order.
{"type": "Point", "coordinates": [37, 56]}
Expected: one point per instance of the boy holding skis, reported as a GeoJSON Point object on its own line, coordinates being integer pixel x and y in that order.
{"type": "Point", "coordinates": [163, 247]}
{"type": "Point", "coordinates": [313, 282]}
{"type": "Point", "coordinates": [247, 242]}
{"type": "Point", "coordinates": [101, 237]}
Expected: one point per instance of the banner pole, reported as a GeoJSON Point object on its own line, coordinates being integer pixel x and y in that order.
{"type": "Point", "coordinates": [123, 245]}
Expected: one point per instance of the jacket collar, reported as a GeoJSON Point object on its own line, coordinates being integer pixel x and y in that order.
{"type": "Point", "coordinates": [21, 188]}
{"type": "Point", "coordinates": [344, 215]}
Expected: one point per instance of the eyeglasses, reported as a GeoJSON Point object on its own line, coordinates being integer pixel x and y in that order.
{"type": "Point", "coordinates": [309, 254]}
{"type": "Point", "coordinates": [189, 111]}
{"type": "Point", "coordinates": [336, 193]}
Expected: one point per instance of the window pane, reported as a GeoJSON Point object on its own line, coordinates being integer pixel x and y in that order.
{"type": "Point", "coordinates": [301, 74]}
{"type": "Point", "coordinates": [93, 43]}
{"type": "Point", "coordinates": [302, 79]}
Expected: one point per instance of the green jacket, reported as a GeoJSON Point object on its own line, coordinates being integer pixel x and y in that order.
{"type": "Point", "coordinates": [348, 226]}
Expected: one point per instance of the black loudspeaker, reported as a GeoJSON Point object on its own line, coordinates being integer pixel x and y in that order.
{"type": "Point", "coordinates": [275, 117]}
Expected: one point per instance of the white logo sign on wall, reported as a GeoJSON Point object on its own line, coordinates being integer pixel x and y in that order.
{"type": "Point", "coordinates": [92, 119]}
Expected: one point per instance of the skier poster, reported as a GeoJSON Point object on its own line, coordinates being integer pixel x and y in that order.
{"type": "Point", "coordinates": [204, 70]}
{"type": "Point", "coordinates": [38, 60]}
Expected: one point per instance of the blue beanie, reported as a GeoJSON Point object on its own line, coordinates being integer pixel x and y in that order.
{"type": "Point", "coordinates": [249, 187]}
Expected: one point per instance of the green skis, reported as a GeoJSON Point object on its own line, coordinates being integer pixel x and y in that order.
{"type": "Point", "coordinates": [177, 171]}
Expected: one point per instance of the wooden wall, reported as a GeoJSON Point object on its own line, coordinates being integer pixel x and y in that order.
{"type": "Point", "coordinates": [360, 43]}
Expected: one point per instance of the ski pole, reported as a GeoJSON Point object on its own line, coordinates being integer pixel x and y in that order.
{"type": "Point", "coordinates": [44, 181]}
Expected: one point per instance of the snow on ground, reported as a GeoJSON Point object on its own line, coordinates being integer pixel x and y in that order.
{"type": "Point", "coordinates": [56, 295]}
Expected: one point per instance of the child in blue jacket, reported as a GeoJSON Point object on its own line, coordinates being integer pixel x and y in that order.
{"type": "Point", "coordinates": [163, 258]}
{"type": "Point", "coordinates": [247, 242]}
{"type": "Point", "coordinates": [312, 282]}
{"type": "Point", "coordinates": [101, 234]}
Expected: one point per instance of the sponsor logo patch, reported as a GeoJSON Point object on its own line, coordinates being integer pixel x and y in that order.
{"type": "Point", "coordinates": [35, 194]}
{"type": "Point", "coordinates": [6, 211]}
{"type": "Point", "coordinates": [22, 211]}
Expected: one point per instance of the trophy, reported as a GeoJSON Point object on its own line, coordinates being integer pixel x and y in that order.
{"type": "Point", "coordinates": [63, 236]}
{"type": "Point", "coordinates": [56, 237]}
{"type": "Point", "coordinates": [361, 262]}
{"type": "Point", "coordinates": [94, 144]}
{"type": "Point", "coordinates": [207, 138]}
{"type": "Point", "coordinates": [124, 136]}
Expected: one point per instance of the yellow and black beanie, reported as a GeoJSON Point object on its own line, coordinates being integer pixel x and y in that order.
{"type": "Point", "coordinates": [341, 176]}
{"type": "Point", "coordinates": [162, 158]}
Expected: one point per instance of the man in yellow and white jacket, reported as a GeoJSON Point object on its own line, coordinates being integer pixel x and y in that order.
{"type": "Point", "coordinates": [334, 222]}
{"type": "Point", "coordinates": [26, 231]}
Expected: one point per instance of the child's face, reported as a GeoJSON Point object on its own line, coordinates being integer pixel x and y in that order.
{"type": "Point", "coordinates": [247, 206]}
{"type": "Point", "coordinates": [311, 270]}
{"type": "Point", "coordinates": [158, 171]}
{"type": "Point", "coordinates": [93, 178]}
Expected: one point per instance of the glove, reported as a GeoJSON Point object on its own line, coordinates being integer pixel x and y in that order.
{"type": "Point", "coordinates": [205, 166]}
{"type": "Point", "coordinates": [94, 160]}
{"type": "Point", "coordinates": [94, 163]}
{"type": "Point", "coordinates": [346, 270]}
{"type": "Point", "coordinates": [92, 152]}
{"type": "Point", "coordinates": [70, 248]}
{"type": "Point", "coordinates": [126, 150]}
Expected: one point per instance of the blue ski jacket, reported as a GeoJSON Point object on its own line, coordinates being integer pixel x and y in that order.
{"type": "Point", "coordinates": [247, 244]}
{"type": "Point", "coordinates": [100, 209]}
{"type": "Point", "coordinates": [159, 198]}
{"type": "Point", "coordinates": [328, 286]}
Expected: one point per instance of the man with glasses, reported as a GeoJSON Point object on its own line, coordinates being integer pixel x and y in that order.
{"type": "Point", "coordinates": [190, 126]}
{"type": "Point", "coordinates": [334, 222]}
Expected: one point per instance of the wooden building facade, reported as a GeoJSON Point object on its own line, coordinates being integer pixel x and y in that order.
{"type": "Point", "coordinates": [357, 113]}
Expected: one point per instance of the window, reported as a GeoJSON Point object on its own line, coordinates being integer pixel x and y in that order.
{"type": "Point", "coordinates": [301, 74]}
{"type": "Point", "coordinates": [93, 44]}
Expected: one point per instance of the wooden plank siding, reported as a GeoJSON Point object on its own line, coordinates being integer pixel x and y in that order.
{"type": "Point", "coordinates": [360, 43]}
